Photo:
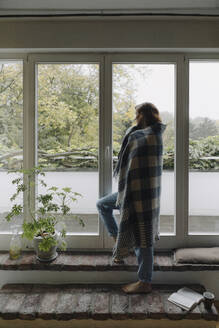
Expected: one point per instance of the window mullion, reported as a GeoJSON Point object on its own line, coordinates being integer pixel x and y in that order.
{"type": "Point", "coordinates": [29, 123]}
{"type": "Point", "coordinates": [181, 153]}
{"type": "Point", "coordinates": [107, 137]}
{"type": "Point", "coordinates": [106, 129]}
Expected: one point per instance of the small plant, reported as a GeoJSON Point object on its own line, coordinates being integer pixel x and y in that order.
{"type": "Point", "coordinates": [52, 208]}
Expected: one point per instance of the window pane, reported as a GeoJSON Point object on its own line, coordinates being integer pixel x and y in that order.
{"type": "Point", "coordinates": [204, 147]}
{"type": "Point", "coordinates": [11, 133]}
{"type": "Point", "coordinates": [68, 114]}
{"type": "Point", "coordinates": [132, 85]}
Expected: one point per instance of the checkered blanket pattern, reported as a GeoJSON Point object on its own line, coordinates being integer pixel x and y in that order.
{"type": "Point", "coordinates": [139, 190]}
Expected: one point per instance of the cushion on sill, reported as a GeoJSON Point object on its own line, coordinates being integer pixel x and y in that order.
{"type": "Point", "coordinates": [208, 255]}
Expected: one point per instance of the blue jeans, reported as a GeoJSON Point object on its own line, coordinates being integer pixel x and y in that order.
{"type": "Point", "coordinates": [145, 258]}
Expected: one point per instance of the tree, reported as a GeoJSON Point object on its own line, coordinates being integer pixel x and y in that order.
{"type": "Point", "coordinates": [11, 109]}
{"type": "Point", "coordinates": [68, 107]}
{"type": "Point", "coordinates": [68, 111]}
{"type": "Point", "coordinates": [124, 98]}
{"type": "Point", "coordinates": [202, 127]}
{"type": "Point", "coordinates": [169, 135]}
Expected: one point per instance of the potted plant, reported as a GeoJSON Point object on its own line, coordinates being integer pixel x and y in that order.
{"type": "Point", "coordinates": [46, 227]}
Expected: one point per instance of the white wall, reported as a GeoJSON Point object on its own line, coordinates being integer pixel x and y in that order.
{"type": "Point", "coordinates": [108, 33]}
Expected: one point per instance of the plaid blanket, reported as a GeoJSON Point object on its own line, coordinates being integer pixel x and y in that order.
{"type": "Point", "coordinates": [124, 144]}
{"type": "Point", "coordinates": [139, 190]}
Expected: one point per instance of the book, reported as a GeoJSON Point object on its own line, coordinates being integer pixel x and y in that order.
{"type": "Point", "coordinates": [186, 298]}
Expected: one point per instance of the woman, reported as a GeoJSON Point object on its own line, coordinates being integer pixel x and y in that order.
{"type": "Point", "coordinates": [139, 169]}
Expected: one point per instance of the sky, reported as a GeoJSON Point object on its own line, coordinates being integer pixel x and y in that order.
{"type": "Point", "coordinates": [158, 87]}
{"type": "Point", "coordinates": [204, 90]}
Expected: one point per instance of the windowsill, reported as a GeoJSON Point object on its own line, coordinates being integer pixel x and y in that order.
{"type": "Point", "coordinates": [103, 302]}
{"type": "Point", "coordinates": [100, 261]}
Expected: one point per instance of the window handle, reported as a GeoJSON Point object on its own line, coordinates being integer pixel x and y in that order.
{"type": "Point", "coordinates": [107, 152]}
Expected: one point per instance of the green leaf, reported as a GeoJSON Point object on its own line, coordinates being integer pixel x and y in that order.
{"type": "Point", "coordinates": [66, 189]}
{"type": "Point", "coordinates": [16, 181]}
{"type": "Point", "coordinates": [53, 188]}
{"type": "Point", "coordinates": [47, 243]}
{"type": "Point", "coordinates": [15, 211]}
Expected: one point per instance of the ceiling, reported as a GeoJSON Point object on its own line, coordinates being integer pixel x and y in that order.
{"type": "Point", "coordinates": [104, 7]}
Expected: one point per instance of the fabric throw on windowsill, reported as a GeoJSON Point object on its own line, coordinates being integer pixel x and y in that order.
{"type": "Point", "coordinates": [208, 255]}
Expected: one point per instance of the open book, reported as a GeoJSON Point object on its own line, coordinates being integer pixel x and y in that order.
{"type": "Point", "coordinates": [186, 298]}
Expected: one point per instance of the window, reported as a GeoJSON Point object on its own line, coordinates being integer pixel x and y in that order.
{"type": "Point", "coordinates": [203, 147]}
{"type": "Point", "coordinates": [136, 83]}
{"type": "Point", "coordinates": [77, 108]}
{"type": "Point", "coordinates": [68, 137]}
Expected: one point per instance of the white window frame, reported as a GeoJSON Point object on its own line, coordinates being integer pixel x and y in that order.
{"type": "Point", "coordinates": [166, 241]}
{"type": "Point", "coordinates": [193, 240]}
{"type": "Point", "coordinates": [86, 240]}
{"type": "Point", "coordinates": [15, 57]}
{"type": "Point", "coordinates": [102, 241]}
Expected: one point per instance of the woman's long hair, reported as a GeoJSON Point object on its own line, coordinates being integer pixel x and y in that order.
{"type": "Point", "coordinates": [150, 113]}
